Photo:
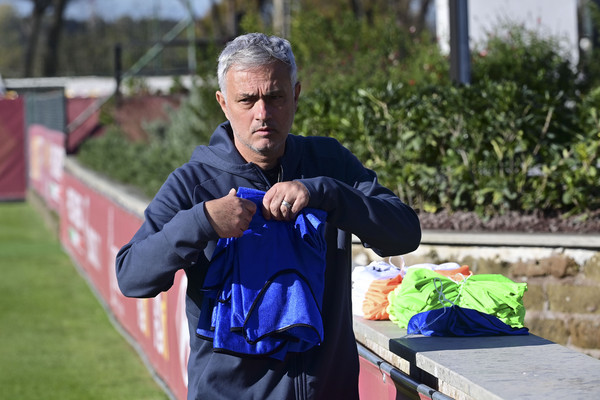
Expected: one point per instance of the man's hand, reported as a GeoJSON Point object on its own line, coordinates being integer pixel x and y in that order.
{"type": "Point", "coordinates": [285, 200]}
{"type": "Point", "coordinates": [230, 216]}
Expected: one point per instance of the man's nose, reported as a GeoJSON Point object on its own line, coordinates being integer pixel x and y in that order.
{"type": "Point", "coordinates": [262, 109]}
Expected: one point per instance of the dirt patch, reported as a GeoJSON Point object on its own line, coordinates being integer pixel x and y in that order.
{"type": "Point", "coordinates": [134, 112]}
{"type": "Point", "coordinates": [512, 222]}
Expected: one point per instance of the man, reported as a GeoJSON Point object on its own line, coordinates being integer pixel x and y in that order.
{"type": "Point", "coordinates": [197, 205]}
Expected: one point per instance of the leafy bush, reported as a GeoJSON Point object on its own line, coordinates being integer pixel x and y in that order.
{"type": "Point", "coordinates": [147, 164]}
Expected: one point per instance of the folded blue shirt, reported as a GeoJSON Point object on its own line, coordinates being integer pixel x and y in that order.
{"type": "Point", "coordinates": [264, 291]}
{"type": "Point", "coordinates": [459, 321]}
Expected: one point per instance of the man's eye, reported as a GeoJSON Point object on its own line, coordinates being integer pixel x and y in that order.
{"type": "Point", "coordinates": [247, 101]}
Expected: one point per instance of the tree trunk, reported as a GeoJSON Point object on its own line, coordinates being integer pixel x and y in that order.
{"type": "Point", "coordinates": [232, 23]}
{"type": "Point", "coordinates": [358, 9]}
{"type": "Point", "coordinates": [37, 15]}
{"type": "Point", "coordinates": [53, 40]}
{"type": "Point", "coordinates": [401, 10]}
{"type": "Point", "coordinates": [218, 29]}
{"type": "Point", "coordinates": [420, 18]}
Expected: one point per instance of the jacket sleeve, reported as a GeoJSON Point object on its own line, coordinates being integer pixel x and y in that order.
{"type": "Point", "coordinates": [358, 204]}
{"type": "Point", "coordinates": [172, 237]}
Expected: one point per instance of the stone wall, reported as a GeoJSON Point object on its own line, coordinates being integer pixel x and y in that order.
{"type": "Point", "coordinates": [563, 296]}
{"type": "Point", "coordinates": [562, 300]}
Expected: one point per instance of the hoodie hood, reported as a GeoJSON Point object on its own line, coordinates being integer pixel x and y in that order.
{"type": "Point", "coordinates": [220, 152]}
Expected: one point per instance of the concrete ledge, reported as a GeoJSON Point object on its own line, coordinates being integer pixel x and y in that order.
{"type": "Point", "coordinates": [574, 241]}
{"type": "Point", "coordinates": [508, 239]}
{"type": "Point", "coordinates": [495, 367]}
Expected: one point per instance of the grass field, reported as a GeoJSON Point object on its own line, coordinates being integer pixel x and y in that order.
{"type": "Point", "coordinates": [56, 341]}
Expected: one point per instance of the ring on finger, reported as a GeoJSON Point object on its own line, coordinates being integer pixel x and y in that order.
{"type": "Point", "coordinates": [286, 204]}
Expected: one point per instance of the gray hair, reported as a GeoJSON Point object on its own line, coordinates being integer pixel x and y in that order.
{"type": "Point", "coordinates": [254, 50]}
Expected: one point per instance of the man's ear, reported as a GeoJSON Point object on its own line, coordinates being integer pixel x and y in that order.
{"type": "Point", "coordinates": [222, 102]}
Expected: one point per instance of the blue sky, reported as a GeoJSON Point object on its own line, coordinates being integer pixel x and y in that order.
{"type": "Point", "coordinates": [113, 9]}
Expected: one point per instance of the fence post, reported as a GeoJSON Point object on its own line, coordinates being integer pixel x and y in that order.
{"type": "Point", "coordinates": [460, 58]}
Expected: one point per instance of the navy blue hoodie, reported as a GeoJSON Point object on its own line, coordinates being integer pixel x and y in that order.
{"type": "Point", "coordinates": [176, 234]}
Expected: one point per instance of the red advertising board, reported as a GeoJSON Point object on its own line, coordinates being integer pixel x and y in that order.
{"type": "Point", "coordinates": [376, 384]}
{"type": "Point", "coordinates": [13, 178]}
{"type": "Point", "coordinates": [92, 230]}
{"type": "Point", "coordinates": [46, 162]}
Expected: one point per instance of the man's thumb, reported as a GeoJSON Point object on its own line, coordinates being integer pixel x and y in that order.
{"type": "Point", "coordinates": [232, 192]}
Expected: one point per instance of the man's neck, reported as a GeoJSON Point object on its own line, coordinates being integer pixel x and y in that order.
{"type": "Point", "coordinates": [274, 174]}
{"type": "Point", "coordinates": [267, 165]}
{"type": "Point", "coordinates": [263, 161]}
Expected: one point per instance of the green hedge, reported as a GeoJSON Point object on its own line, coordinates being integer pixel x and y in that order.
{"type": "Point", "coordinates": [482, 147]}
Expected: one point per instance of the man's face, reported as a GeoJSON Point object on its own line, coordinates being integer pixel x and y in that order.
{"type": "Point", "coordinates": [260, 105]}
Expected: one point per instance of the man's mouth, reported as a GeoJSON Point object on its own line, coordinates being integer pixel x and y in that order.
{"type": "Point", "coordinates": [264, 130]}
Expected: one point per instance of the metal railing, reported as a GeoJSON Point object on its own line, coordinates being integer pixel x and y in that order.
{"type": "Point", "coordinates": [399, 377]}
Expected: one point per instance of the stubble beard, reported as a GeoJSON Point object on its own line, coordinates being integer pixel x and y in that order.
{"type": "Point", "coordinates": [268, 150]}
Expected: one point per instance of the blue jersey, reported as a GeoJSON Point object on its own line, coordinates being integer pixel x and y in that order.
{"type": "Point", "coordinates": [264, 291]}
